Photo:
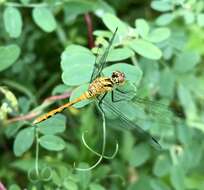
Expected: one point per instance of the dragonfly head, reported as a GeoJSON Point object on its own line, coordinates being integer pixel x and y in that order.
{"type": "Point", "coordinates": [118, 77]}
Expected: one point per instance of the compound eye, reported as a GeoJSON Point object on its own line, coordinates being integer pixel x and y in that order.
{"type": "Point", "coordinates": [114, 74]}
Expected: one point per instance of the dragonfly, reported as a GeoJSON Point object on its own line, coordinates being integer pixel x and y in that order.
{"type": "Point", "coordinates": [98, 88]}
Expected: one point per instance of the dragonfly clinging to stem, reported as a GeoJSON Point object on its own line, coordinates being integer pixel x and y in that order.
{"type": "Point", "coordinates": [98, 88]}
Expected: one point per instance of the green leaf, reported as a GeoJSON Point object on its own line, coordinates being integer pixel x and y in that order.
{"type": "Point", "coordinates": [162, 165]}
{"type": "Point", "coordinates": [12, 129]}
{"type": "Point", "coordinates": [95, 186]}
{"type": "Point", "coordinates": [56, 178]}
{"type": "Point", "coordinates": [77, 92]}
{"type": "Point", "coordinates": [77, 74]}
{"type": "Point", "coordinates": [60, 89]}
{"type": "Point", "coordinates": [200, 19]}
{"type": "Point", "coordinates": [12, 21]}
{"type": "Point", "coordinates": [112, 22]}
{"type": "Point", "coordinates": [84, 176]}
{"type": "Point", "coordinates": [194, 182]}
{"type": "Point", "coordinates": [143, 183]}
{"type": "Point", "coordinates": [187, 101]}
{"type": "Point", "coordinates": [74, 49]}
{"type": "Point", "coordinates": [25, 2]}
{"type": "Point", "coordinates": [167, 53]}
{"type": "Point", "coordinates": [159, 185]}
{"type": "Point", "coordinates": [188, 160]}
{"type": "Point", "coordinates": [162, 6]}
{"type": "Point", "coordinates": [142, 27]}
{"type": "Point", "coordinates": [101, 172]}
{"type": "Point", "coordinates": [70, 185]}
{"type": "Point", "coordinates": [74, 8]}
{"type": "Point", "coordinates": [146, 49]}
{"type": "Point", "coordinates": [159, 35]}
{"type": "Point", "coordinates": [52, 142]}
{"type": "Point", "coordinates": [44, 18]}
{"type": "Point", "coordinates": [164, 19]}
{"type": "Point", "coordinates": [167, 83]}
{"type": "Point", "coordinates": [119, 54]}
{"type": "Point", "coordinates": [177, 177]}
{"type": "Point", "coordinates": [53, 125]}
{"type": "Point", "coordinates": [132, 73]}
{"type": "Point", "coordinates": [8, 55]}
{"type": "Point", "coordinates": [23, 141]}
{"type": "Point", "coordinates": [103, 7]}
{"type": "Point", "coordinates": [24, 164]}
{"type": "Point", "coordinates": [64, 171]}
{"type": "Point", "coordinates": [127, 145]}
{"type": "Point", "coordinates": [14, 187]}
{"type": "Point", "coordinates": [140, 154]}
{"type": "Point", "coordinates": [186, 61]}
{"type": "Point", "coordinates": [151, 73]}
{"type": "Point", "coordinates": [189, 17]}
{"type": "Point", "coordinates": [77, 64]}
{"type": "Point", "coordinates": [184, 135]}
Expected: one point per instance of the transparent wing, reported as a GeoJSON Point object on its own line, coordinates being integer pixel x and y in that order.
{"type": "Point", "coordinates": [159, 112]}
{"type": "Point", "coordinates": [127, 123]}
{"type": "Point", "coordinates": [100, 63]}
{"type": "Point", "coordinates": [153, 110]}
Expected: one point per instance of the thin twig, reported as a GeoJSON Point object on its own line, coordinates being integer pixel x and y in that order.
{"type": "Point", "coordinates": [89, 24]}
{"type": "Point", "coordinates": [37, 111]}
{"type": "Point", "coordinates": [58, 97]}
{"type": "Point", "coordinates": [2, 187]}
{"type": "Point", "coordinates": [22, 118]}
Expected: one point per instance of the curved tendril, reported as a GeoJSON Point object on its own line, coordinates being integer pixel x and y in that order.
{"type": "Point", "coordinates": [98, 154]}
{"type": "Point", "coordinates": [103, 146]}
{"type": "Point", "coordinates": [92, 167]}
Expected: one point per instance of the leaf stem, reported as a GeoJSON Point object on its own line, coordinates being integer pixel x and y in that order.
{"type": "Point", "coordinates": [37, 152]}
{"type": "Point", "coordinates": [33, 5]}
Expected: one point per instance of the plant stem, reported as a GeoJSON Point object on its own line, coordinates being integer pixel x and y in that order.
{"type": "Point", "coordinates": [89, 24]}
{"type": "Point", "coordinates": [37, 152]}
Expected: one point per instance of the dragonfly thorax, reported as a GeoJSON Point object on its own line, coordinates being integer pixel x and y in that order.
{"type": "Point", "coordinates": [118, 77]}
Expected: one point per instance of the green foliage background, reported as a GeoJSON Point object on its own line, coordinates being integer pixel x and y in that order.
{"type": "Point", "coordinates": [45, 52]}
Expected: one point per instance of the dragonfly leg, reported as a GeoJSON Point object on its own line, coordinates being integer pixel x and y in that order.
{"type": "Point", "coordinates": [123, 92]}
{"type": "Point", "coordinates": [113, 100]}
{"type": "Point", "coordinates": [101, 99]}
